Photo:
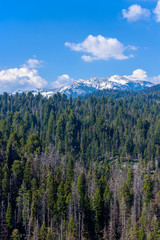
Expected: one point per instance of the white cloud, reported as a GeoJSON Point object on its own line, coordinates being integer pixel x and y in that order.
{"type": "Point", "coordinates": [62, 80]}
{"type": "Point", "coordinates": [100, 48]}
{"type": "Point", "coordinates": [156, 80]}
{"type": "Point", "coordinates": [141, 75]}
{"type": "Point", "coordinates": [33, 63]}
{"type": "Point", "coordinates": [25, 77]}
{"type": "Point", "coordinates": [157, 11]}
{"type": "Point", "coordinates": [135, 13]}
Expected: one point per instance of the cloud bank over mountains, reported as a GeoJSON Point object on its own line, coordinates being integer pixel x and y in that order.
{"type": "Point", "coordinates": [137, 75]}
{"type": "Point", "coordinates": [62, 80]}
{"type": "Point", "coordinates": [25, 77]}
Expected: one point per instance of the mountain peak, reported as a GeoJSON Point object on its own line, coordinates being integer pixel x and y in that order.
{"type": "Point", "coordinates": [82, 87]}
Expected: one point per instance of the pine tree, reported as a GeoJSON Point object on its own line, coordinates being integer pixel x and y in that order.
{"type": "Point", "coordinates": [71, 228]}
{"type": "Point", "coordinates": [5, 183]}
{"type": "Point", "coordinates": [81, 189]}
{"type": "Point", "coordinates": [33, 144]}
{"type": "Point", "coordinates": [51, 191]}
{"type": "Point", "coordinates": [60, 133]}
{"type": "Point", "coordinates": [71, 133]}
{"type": "Point", "coordinates": [16, 235]}
{"type": "Point", "coordinates": [61, 207]}
{"type": "Point", "coordinates": [96, 204]}
{"type": "Point", "coordinates": [49, 235]}
{"type": "Point", "coordinates": [9, 218]}
{"type": "Point", "coordinates": [148, 188]}
{"type": "Point", "coordinates": [51, 128]}
{"type": "Point", "coordinates": [134, 233]}
{"type": "Point", "coordinates": [69, 178]}
{"type": "Point", "coordinates": [43, 232]}
{"type": "Point", "coordinates": [142, 235]}
{"type": "Point", "coordinates": [13, 149]}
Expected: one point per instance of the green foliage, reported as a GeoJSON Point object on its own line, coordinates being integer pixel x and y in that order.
{"type": "Point", "coordinates": [49, 235]}
{"type": "Point", "coordinates": [87, 167]}
{"type": "Point", "coordinates": [23, 202]}
{"type": "Point", "coordinates": [51, 128]}
{"type": "Point", "coordinates": [97, 208]}
{"type": "Point", "coordinates": [60, 133]}
{"type": "Point", "coordinates": [61, 205]}
{"type": "Point", "coordinates": [9, 217]}
{"type": "Point", "coordinates": [33, 144]}
{"type": "Point", "coordinates": [69, 178]}
{"type": "Point", "coordinates": [107, 196]}
{"type": "Point", "coordinates": [71, 133]}
{"type": "Point", "coordinates": [134, 232]}
{"type": "Point", "coordinates": [13, 149]}
{"type": "Point", "coordinates": [126, 190]}
{"type": "Point", "coordinates": [51, 191]}
{"type": "Point", "coordinates": [148, 188]}
{"type": "Point", "coordinates": [5, 182]}
{"type": "Point", "coordinates": [17, 170]}
{"type": "Point", "coordinates": [43, 232]}
{"type": "Point", "coordinates": [16, 235]}
{"type": "Point", "coordinates": [81, 189]}
{"type": "Point", "coordinates": [142, 235]}
{"type": "Point", "coordinates": [71, 228]}
{"type": "Point", "coordinates": [28, 173]}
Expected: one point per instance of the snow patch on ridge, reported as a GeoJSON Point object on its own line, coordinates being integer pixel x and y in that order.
{"type": "Point", "coordinates": [82, 87]}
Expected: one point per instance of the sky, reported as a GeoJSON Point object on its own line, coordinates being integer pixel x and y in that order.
{"type": "Point", "coordinates": [51, 43]}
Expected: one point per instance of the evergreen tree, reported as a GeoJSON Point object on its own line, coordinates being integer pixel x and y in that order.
{"type": "Point", "coordinates": [148, 188]}
{"type": "Point", "coordinates": [97, 208]}
{"type": "Point", "coordinates": [5, 183]}
{"type": "Point", "coordinates": [142, 235]}
{"type": "Point", "coordinates": [9, 217]}
{"type": "Point", "coordinates": [60, 133]}
{"type": "Point", "coordinates": [49, 235]}
{"type": "Point", "coordinates": [51, 191]}
{"type": "Point", "coordinates": [51, 128]}
{"type": "Point", "coordinates": [71, 228]}
{"type": "Point", "coordinates": [61, 206]}
{"type": "Point", "coordinates": [16, 235]}
{"type": "Point", "coordinates": [43, 232]}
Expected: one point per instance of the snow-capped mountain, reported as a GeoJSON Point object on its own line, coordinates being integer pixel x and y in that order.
{"type": "Point", "coordinates": [45, 92]}
{"type": "Point", "coordinates": [82, 87]}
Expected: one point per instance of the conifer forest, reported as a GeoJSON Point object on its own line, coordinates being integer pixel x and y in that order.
{"type": "Point", "coordinates": [80, 168]}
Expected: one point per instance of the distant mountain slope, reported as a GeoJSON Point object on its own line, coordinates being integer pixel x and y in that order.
{"type": "Point", "coordinates": [153, 90]}
{"type": "Point", "coordinates": [83, 87]}
{"type": "Point", "coordinates": [45, 92]}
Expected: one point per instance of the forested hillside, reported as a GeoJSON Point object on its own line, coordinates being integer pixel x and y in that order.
{"type": "Point", "coordinates": [80, 168]}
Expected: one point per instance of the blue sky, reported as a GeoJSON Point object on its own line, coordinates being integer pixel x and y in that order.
{"type": "Point", "coordinates": [51, 43]}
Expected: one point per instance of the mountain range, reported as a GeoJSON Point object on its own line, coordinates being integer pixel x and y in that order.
{"type": "Point", "coordinates": [82, 87]}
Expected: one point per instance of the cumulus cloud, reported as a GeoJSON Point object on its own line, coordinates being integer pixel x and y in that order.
{"type": "Point", "coordinates": [62, 80]}
{"type": "Point", "coordinates": [33, 63]}
{"type": "Point", "coordinates": [142, 75]}
{"type": "Point", "coordinates": [135, 13]}
{"type": "Point", "coordinates": [25, 77]}
{"type": "Point", "coordinates": [100, 48]}
{"type": "Point", "coordinates": [139, 74]}
{"type": "Point", "coordinates": [156, 80]}
{"type": "Point", "coordinates": [157, 11]}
